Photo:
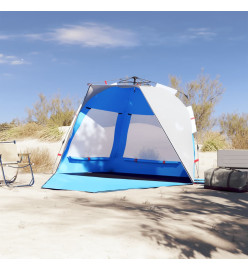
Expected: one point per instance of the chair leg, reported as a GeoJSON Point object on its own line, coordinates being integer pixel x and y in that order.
{"type": "Point", "coordinates": [8, 181]}
{"type": "Point", "coordinates": [4, 178]}
{"type": "Point", "coordinates": [32, 174]}
{"type": "Point", "coordinates": [11, 181]}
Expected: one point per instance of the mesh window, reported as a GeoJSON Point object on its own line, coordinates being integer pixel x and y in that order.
{"type": "Point", "coordinates": [95, 136]}
{"type": "Point", "coordinates": [147, 140]}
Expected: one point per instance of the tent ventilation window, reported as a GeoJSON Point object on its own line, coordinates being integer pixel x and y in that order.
{"type": "Point", "coordinates": [95, 136]}
{"type": "Point", "coordinates": [147, 140]}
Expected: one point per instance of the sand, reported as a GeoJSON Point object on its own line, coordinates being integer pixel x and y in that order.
{"type": "Point", "coordinates": [165, 222]}
{"type": "Point", "coordinates": [160, 223]}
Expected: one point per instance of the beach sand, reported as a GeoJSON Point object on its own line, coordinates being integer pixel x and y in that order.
{"type": "Point", "coordinates": [162, 223]}
{"type": "Point", "coordinates": [165, 222]}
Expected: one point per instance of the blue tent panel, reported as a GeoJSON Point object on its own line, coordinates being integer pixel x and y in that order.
{"type": "Point", "coordinates": [102, 184]}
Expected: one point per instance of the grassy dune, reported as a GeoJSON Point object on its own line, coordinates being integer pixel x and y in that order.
{"type": "Point", "coordinates": [30, 130]}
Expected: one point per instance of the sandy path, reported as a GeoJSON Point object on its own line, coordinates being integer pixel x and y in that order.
{"type": "Point", "coordinates": [166, 222]}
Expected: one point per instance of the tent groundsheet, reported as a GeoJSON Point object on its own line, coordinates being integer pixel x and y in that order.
{"type": "Point", "coordinates": [102, 184]}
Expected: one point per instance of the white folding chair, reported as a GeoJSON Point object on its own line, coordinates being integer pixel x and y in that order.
{"type": "Point", "coordinates": [9, 158]}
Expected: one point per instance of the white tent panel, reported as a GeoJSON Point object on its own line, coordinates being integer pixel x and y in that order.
{"type": "Point", "coordinates": [174, 119]}
{"type": "Point", "coordinates": [147, 140]}
{"type": "Point", "coordinates": [95, 136]}
{"type": "Point", "coordinates": [169, 89]}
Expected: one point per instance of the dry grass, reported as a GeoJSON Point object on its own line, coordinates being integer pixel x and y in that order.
{"type": "Point", "coordinates": [240, 141]}
{"type": "Point", "coordinates": [43, 162]}
{"type": "Point", "coordinates": [235, 126]}
{"type": "Point", "coordinates": [5, 126]}
{"type": "Point", "coordinates": [43, 120]}
{"type": "Point", "coordinates": [31, 130]}
{"type": "Point", "coordinates": [214, 141]}
{"type": "Point", "coordinates": [50, 133]}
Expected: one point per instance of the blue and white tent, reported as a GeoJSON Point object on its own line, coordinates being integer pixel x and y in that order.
{"type": "Point", "coordinates": [135, 130]}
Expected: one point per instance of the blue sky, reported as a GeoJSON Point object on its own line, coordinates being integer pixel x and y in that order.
{"type": "Point", "coordinates": [62, 51]}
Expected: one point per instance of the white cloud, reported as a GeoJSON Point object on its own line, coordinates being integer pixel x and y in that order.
{"type": "Point", "coordinates": [11, 60]}
{"type": "Point", "coordinates": [6, 75]}
{"type": "Point", "coordinates": [36, 36]}
{"type": "Point", "coordinates": [34, 53]}
{"type": "Point", "coordinates": [90, 35]}
{"type": "Point", "coordinates": [17, 62]}
{"type": "Point", "coordinates": [200, 33]}
{"type": "Point", "coordinates": [2, 37]}
{"type": "Point", "coordinates": [10, 57]}
{"type": "Point", "coordinates": [153, 37]}
{"type": "Point", "coordinates": [108, 36]}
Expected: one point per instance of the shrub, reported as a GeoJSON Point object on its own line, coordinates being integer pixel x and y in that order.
{"type": "Point", "coordinates": [5, 126]}
{"type": "Point", "coordinates": [62, 111]}
{"type": "Point", "coordinates": [57, 111]}
{"type": "Point", "coordinates": [40, 111]}
{"type": "Point", "coordinates": [240, 140]}
{"type": "Point", "coordinates": [214, 141]}
{"type": "Point", "coordinates": [43, 162]}
{"type": "Point", "coordinates": [43, 121]}
{"type": "Point", "coordinates": [203, 94]}
{"type": "Point", "coordinates": [235, 127]}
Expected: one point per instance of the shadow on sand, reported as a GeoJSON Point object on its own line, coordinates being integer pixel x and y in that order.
{"type": "Point", "coordinates": [195, 222]}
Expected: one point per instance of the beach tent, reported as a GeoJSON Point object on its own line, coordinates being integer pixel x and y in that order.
{"type": "Point", "coordinates": [129, 129]}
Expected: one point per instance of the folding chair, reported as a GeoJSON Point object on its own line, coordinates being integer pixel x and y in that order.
{"type": "Point", "coordinates": [9, 157]}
